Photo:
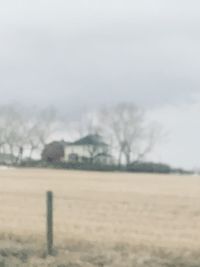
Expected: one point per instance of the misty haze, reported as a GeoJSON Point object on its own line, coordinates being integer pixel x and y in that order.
{"type": "Point", "coordinates": [99, 133]}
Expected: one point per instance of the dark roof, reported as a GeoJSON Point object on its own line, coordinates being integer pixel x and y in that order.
{"type": "Point", "coordinates": [92, 139]}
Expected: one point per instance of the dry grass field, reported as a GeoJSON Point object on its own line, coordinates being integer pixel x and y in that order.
{"type": "Point", "coordinates": [101, 219]}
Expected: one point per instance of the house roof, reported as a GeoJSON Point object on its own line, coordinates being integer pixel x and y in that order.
{"type": "Point", "coordinates": [92, 139]}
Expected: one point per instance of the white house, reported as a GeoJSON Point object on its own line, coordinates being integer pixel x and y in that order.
{"type": "Point", "coordinates": [91, 148]}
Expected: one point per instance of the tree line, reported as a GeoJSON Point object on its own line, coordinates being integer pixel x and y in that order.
{"type": "Point", "coordinates": [24, 131]}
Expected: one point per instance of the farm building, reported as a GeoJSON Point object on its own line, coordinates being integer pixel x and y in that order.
{"type": "Point", "coordinates": [89, 149]}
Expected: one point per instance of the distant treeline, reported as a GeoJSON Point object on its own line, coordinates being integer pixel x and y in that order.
{"type": "Point", "coordinates": [142, 167]}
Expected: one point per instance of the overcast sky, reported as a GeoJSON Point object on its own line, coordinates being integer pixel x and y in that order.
{"type": "Point", "coordinates": [83, 54]}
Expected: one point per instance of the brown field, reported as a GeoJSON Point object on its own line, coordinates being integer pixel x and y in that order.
{"type": "Point", "coordinates": [101, 219]}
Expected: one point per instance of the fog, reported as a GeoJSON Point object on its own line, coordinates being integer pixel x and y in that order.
{"type": "Point", "coordinates": [85, 54]}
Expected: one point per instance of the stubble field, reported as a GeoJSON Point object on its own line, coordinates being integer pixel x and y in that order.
{"type": "Point", "coordinates": [100, 219]}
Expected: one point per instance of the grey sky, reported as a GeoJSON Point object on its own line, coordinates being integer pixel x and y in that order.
{"type": "Point", "coordinates": [77, 54]}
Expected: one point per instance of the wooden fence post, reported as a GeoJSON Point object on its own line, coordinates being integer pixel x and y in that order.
{"type": "Point", "coordinates": [49, 197]}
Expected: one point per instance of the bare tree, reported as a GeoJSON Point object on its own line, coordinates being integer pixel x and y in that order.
{"type": "Point", "coordinates": [24, 130]}
{"type": "Point", "coordinates": [96, 148]}
{"type": "Point", "coordinates": [40, 126]}
{"type": "Point", "coordinates": [12, 134]}
{"type": "Point", "coordinates": [87, 128]}
{"type": "Point", "coordinates": [86, 124]}
{"type": "Point", "coordinates": [128, 132]}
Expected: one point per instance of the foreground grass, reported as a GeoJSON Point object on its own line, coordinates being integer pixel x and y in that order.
{"type": "Point", "coordinates": [15, 253]}
{"type": "Point", "coordinates": [100, 219]}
